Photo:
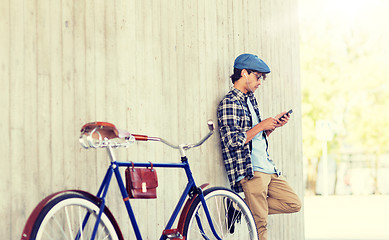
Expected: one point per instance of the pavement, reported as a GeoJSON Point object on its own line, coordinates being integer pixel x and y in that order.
{"type": "Point", "coordinates": [347, 217]}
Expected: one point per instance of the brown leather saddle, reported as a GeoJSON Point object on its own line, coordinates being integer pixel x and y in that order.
{"type": "Point", "coordinates": [105, 129]}
{"type": "Point", "coordinates": [109, 131]}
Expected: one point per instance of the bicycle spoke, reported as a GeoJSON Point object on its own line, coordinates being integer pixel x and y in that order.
{"type": "Point", "coordinates": [219, 216]}
{"type": "Point", "coordinates": [47, 234]}
{"type": "Point", "coordinates": [81, 230]}
{"type": "Point", "coordinates": [58, 225]}
{"type": "Point", "coordinates": [68, 222]}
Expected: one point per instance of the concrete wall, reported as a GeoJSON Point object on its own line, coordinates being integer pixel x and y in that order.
{"type": "Point", "coordinates": [152, 67]}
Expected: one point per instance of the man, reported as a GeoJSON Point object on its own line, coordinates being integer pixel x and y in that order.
{"type": "Point", "coordinates": [244, 145]}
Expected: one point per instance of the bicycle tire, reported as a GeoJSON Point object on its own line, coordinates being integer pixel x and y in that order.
{"type": "Point", "coordinates": [216, 199]}
{"type": "Point", "coordinates": [63, 217]}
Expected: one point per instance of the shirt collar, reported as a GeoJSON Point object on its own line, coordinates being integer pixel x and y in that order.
{"type": "Point", "coordinates": [240, 95]}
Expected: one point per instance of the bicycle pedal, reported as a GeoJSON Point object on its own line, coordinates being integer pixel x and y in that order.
{"type": "Point", "coordinates": [172, 234]}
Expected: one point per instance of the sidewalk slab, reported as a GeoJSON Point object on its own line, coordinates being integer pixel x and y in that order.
{"type": "Point", "coordinates": [347, 217]}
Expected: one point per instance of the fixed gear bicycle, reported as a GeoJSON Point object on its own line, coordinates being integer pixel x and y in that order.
{"type": "Point", "coordinates": [212, 213]}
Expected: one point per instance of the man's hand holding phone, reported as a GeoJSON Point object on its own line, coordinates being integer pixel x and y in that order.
{"type": "Point", "coordinates": [283, 118]}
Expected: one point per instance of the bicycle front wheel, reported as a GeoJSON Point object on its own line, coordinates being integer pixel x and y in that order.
{"type": "Point", "coordinates": [72, 216]}
{"type": "Point", "coordinates": [230, 216]}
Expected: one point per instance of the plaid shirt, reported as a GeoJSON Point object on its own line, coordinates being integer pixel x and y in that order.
{"type": "Point", "coordinates": [234, 121]}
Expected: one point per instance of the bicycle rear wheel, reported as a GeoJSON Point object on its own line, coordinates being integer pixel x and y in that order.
{"type": "Point", "coordinates": [230, 215]}
{"type": "Point", "coordinates": [72, 216]}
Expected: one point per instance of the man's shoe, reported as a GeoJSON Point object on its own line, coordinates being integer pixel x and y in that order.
{"type": "Point", "coordinates": [233, 215]}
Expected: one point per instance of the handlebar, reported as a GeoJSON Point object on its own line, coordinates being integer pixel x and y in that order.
{"type": "Point", "coordinates": [211, 128]}
{"type": "Point", "coordinates": [99, 135]}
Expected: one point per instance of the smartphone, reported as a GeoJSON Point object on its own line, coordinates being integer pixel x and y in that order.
{"type": "Point", "coordinates": [289, 112]}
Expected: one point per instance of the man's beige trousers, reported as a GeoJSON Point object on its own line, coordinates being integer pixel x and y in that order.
{"type": "Point", "coordinates": [269, 194]}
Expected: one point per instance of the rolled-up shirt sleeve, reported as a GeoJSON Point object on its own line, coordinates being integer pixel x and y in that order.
{"type": "Point", "coordinates": [229, 116]}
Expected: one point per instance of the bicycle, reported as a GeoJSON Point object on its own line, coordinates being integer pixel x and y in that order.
{"type": "Point", "coordinates": [212, 213]}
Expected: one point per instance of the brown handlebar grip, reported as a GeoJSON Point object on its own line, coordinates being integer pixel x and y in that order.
{"type": "Point", "coordinates": [140, 137]}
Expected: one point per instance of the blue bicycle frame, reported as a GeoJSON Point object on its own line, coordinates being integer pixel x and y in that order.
{"type": "Point", "coordinates": [114, 168]}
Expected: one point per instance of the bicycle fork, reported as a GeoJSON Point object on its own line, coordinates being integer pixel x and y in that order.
{"type": "Point", "coordinates": [206, 210]}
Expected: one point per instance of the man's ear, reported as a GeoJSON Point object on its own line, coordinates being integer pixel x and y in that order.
{"type": "Point", "coordinates": [244, 73]}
